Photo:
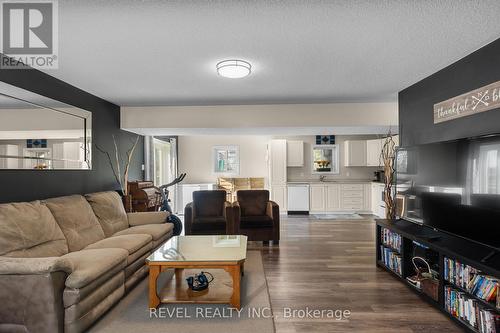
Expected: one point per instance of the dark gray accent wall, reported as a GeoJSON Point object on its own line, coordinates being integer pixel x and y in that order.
{"type": "Point", "coordinates": [24, 185]}
{"type": "Point", "coordinates": [416, 122]}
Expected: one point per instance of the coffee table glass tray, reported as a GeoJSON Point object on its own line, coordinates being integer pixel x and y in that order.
{"type": "Point", "coordinates": [222, 256]}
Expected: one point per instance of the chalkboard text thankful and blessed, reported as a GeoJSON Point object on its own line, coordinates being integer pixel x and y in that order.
{"type": "Point", "coordinates": [479, 100]}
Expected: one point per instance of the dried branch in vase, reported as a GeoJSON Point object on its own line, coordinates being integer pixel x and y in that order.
{"type": "Point", "coordinates": [387, 157]}
{"type": "Point", "coordinates": [116, 167]}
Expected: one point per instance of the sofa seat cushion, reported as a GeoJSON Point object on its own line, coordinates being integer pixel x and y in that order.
{"type": "Point", "coordinates": [209, 223]}
{"type": "Point", "coordinates": [157, 243]}
{"type": "Point", "coordinates": [85, 303]}
{"type": "Point", "coordinates": [108, 207]}
{"type": "Point", "coordinates": [156, 231]}
{"type": "Point", "coordinates": [89, 265]}
{"type": "Point", "coordinates": [28, 229]}
{"type": "Point", "coordinates": [76, 295]}
{"type": "Point", "coordinates": [136, 245]}
{"type": "Point", "coordinates": [262, 221]}
{"type": "Point", "coordinates": [141, 218]}
{"type": "Point", "coordinates": [77, 221]}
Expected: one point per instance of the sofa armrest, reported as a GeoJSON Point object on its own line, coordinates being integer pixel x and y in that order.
{"type": "Point", "coordinates": [24, 266]}
{"type": "Point", "coordinates": [227, 212]}
{"type": "Point", "coordinates": [141, 218]}
{"type": "Point", "coordinates": [273, 211]}
{"type": "Point", "coordinates": [188, 218]}
{"type": "Point", "coordinates": [32, 302]}
{"type": "Point", "coordinates": [236, 217]}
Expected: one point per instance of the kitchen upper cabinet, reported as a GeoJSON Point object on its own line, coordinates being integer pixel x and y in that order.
{"type": "Point", "coordinates": [355, 153]}
{"type": "Point", "coordinates": [277, 162]}
{"type": "Point", "coordinates": [365, 152]}
{"type": "Point", "coordinates": [279, 195]}
{"type": "Point", "coordinates": [317, 198]}
{"type": "Point", "coordinates": [332, 197]}
{"type": "Point", "coordinates": [295, 153]}
{"type": "Point", "coordinates": [373, 151]}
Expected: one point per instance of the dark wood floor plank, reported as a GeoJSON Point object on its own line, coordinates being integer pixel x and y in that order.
{"type": "Point", "coordinates": [331, 265]}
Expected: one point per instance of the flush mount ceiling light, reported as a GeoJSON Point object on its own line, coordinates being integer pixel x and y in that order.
{"type": "Point", "coordinates": [234, 69]}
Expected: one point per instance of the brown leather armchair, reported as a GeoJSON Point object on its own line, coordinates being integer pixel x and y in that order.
{"type": "Point", "coordinates": [208, 214]}
{"type": "Point", "coordinates": [256, 216]}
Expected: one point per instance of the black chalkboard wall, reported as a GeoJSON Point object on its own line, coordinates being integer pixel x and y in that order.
{"type": "Point", "coordinates": [24, 185]}
{"type": "Point", "coordinates": [416, 122]}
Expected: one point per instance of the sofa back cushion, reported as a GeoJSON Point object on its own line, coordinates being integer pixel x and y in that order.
{"type": "Point", "coordinates": [209, 203]}
{"type": "Point", "coordinates": [253, 202]}
{"type": "Point", "coordinates": [108, 207]}
{"type": "Point", "coordinates": [77, 221]}
{"type": "Point", "coordinates": [28, 229]}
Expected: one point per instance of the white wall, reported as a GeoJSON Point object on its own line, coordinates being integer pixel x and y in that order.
{"type": "Point", "coordinates": [195, 156]}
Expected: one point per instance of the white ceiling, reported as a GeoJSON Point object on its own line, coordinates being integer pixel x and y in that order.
{"type": "Point", "coordinates": [139, 53]}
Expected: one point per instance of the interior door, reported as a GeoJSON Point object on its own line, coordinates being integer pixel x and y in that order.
{"type": "Point", "coordinates": [162, 162]}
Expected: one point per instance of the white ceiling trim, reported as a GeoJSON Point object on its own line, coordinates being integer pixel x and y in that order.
{"type": "Point", "coordinates": [333, 130]}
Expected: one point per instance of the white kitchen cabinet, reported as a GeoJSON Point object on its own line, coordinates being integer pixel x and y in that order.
{"type": "Point", "coordinates": [355, 153]}
{"type": "Point", "coordinates": [277, 162]}
{"type": "Point", "coordinates": [352, 197]}
{"type": "Point", "coordinates": [298, 197]}
{"type": "Point", "coordinates": [377, 201]}
{"type": "Point", "coordinates": [295, 153]}
{"type": "Point", "coordinates": [346, 197]}
{"type": "Point", "coordinates": [375, 198]}
{"type": "Point", "coordinates": [278, 195]}
{"type": "Point", "coordinates": [317, 198]}
{"type": "Point", "coordinates": [367, 197]}
{"type": "Point", "coordinates": [9, 163]}
{"type": "Point", "coordinates": [373, 151]}
{"type": "Point", "coordinates": [332, 197]}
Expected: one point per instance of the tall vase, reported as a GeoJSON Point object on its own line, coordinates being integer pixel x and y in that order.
{"type": "Point", "coordinates": [127, 203]}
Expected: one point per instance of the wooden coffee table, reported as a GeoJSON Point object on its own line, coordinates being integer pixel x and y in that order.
{"type": "Point", "coordinates": [188, 255]}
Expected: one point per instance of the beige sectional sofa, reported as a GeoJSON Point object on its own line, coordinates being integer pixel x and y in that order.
{"type": "Point", "coordinates": [65, 261]}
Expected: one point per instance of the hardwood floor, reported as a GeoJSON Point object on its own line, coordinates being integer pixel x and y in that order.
{"type": "Point", "coordinates": [331, 265]}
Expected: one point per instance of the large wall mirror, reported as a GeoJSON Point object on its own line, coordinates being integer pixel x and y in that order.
{"type": "Point", "coordinates": [39, 133]}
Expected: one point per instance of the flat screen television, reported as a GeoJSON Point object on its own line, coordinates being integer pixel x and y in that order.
{"type": "Point", "coordinates": [452, 187]}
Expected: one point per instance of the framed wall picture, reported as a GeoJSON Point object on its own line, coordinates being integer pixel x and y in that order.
{"type": "Point", "coordinates": [226, 160]}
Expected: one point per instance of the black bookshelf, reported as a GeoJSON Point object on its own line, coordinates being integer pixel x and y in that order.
{"type": "Point", "coordinates": [446, 245]}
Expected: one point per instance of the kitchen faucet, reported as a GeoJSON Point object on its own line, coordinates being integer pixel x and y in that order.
{"type": "Point", "coordinates": [322, 178]}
